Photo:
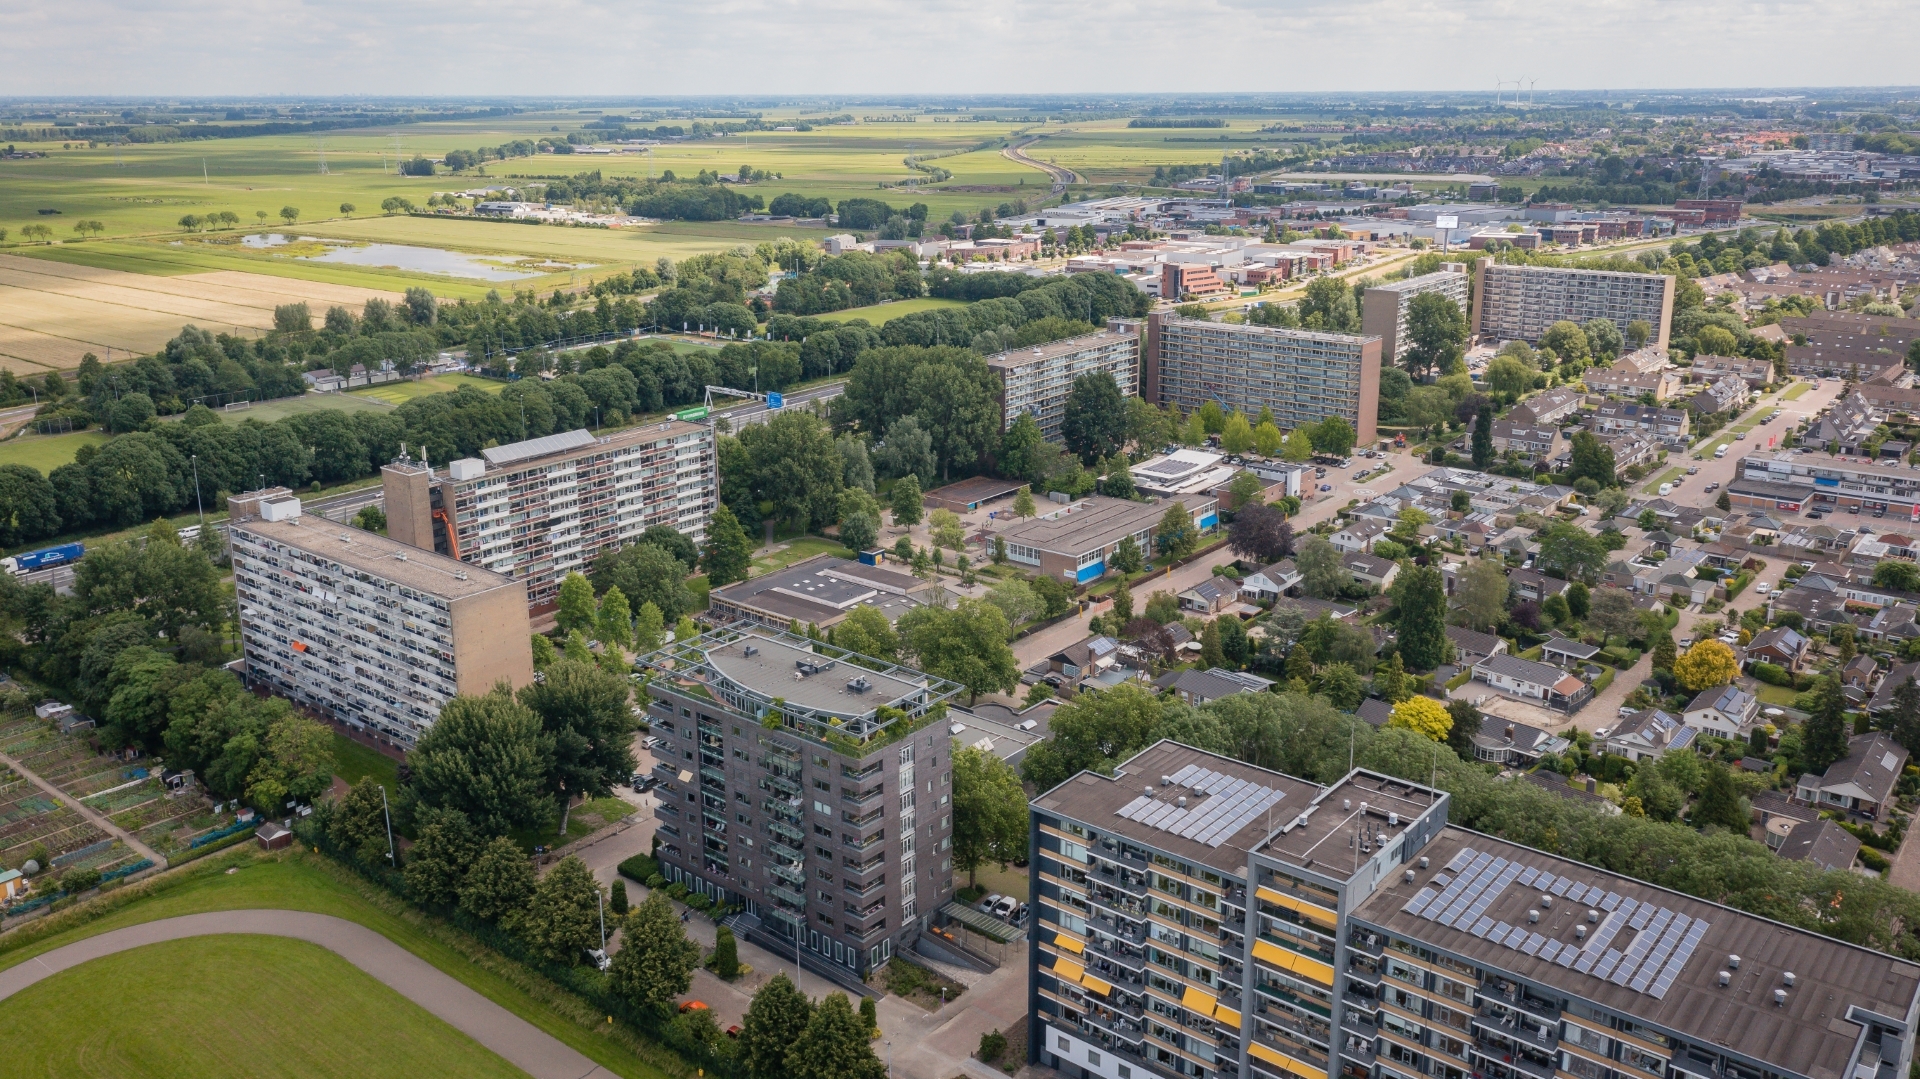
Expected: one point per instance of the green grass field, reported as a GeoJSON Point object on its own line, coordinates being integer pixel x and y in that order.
{"type": "Point", "coordinates": [297, 881]}
{"type": "Point", "coordinates": [269, 411]}
{"type": "Point", "coordinates": [1796, 391]}
{"type": "Point", "coordinates": [879, 314]}
{"type": "Point", "coordinates": [211, 1007]}
{"type": "Point", "coordinates": [354, 762]}
{"type": "Point", "coordinates": [48, 452]}
{"type": "Point", "coordinates": [395, 393]}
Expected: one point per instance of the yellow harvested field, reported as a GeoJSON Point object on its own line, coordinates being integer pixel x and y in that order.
{"type": "Point", "coordinates": [52, 313]}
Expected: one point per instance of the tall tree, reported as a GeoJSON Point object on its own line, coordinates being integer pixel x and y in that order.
{"type": "Point", "coordinates": [1902, 720]}
{"type": "Point", "coordinates": [1322, 573]}
{"type": "Point", "coordinates": [1019, 457]}
{"type": "Point", "coordinates": [444, 851]}
{"type": "Point", "coordinates": [1423, 618]}
{"type": "Point", "coordinates": [1094, 424]}
{"type": "Point", "coordinates": [1481, 593]}
{"type": "Point", "coordinates": [905, 500]}
{"type": "Point", "coordinates": [1091, 732]}
{"type": "Point", "coordinates": [1592, 460]}
{"type": "Point", "coordinates": [729, 552]}
{"type": "Point", "coordinates": [655, 963]}
{"type": "Point", "coordinates": [1436, 330]}
{"type": "Point", "coordinates": [1825, 738]}
{"type": "Point", "coordinates": [1466, 724]}
{"type": "Point", "coordinates": [499, 884]}
{"type": "Point", "coordinates": [1612, 612]}
{"type": "Point", "coordinates": [835, 1045]}
{"type": "Point", "coordinates": [774, 1023]}
{"type": "Point", "coordinates": [1176, 536]}
{"type": "Point", "coordinates": [486, 757]}
{"type": "Point", "coordinates": [615, 619]}
{"type": "Point", "coordinates": [1260, 533]}
{"type": "Point", "coordinates": [967, 644]}
{"type": "Point", "coordinates": [1483, 437]}
{"type": "Point", "coordinates": [563, 919]}
{"type": "Point", "coordinates": [989, 817]}
{"type": "Point", "coordinates": [585, 721]}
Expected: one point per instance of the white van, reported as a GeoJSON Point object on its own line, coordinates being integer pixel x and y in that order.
{"type": "Point", "coordinates": [1666, 489]}
{"type": "Point", "coordinates": [1721, 452]}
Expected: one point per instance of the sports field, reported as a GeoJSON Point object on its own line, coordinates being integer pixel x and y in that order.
{"type": "Point", "coordinates": [880, 313]}
{"type": "Point", "coordinates": [395, 393]}
{"type": "Point", "coordinates": [48, 452]}
{"type": "Point", "coordinates": [286, 881]}
{"type": "Point", "coordinates": [213, 1007]}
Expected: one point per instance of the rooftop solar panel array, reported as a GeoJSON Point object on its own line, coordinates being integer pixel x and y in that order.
{"type": "Point", "coordinates": [1662, 939]}
{"type": "Point", "coordinates": [1222, 805]}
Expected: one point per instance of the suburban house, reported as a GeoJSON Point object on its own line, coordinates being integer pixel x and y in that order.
{"type": "Point", "coordinates": [1270, 582]}
{"type": "Point", "coordinates": [1649, 732]}
{"type": "Point", "coordinates": [1755, 373]}
{"type": "Point", "coordinates": [1616, 381]}
{"type": "Point", "coordinates": [1859, 678]}
{"type": "Point", "coordinates": [1549, 407]}
{"type": "Point", "coordinates": [1726, 711]}
{"type": "Point", "coordinates": [1375, 711]}
{"type": "Point", "coordinates": [1551, 686]}
{"type": "Point", "coordinates": [1822, 843]}
{"type": "Point", "coordinates": [1725, 394]}
{"type": "Point", "coordinates": [1371, 569]}
{"type": "Point", "coordinates": [1846, 425]}
{"type": "Point", "coordinates": [1670, 426]}
{"type": "Point", "coordinates": [1565, 654]}
{"type": "Point", "coordinates": [1528, 442]}
{"type": "Point", "coordinates": [1862, 782]}
{"type": "Point", "coordinates": [1211, 596]}
{"type": "Point", "coordinates": [1084, 659]}
{"type": "Point", "coordinates": [1199, 687]}
{"type": "Point", "coordinates": [1472, 646]}
{"type": "Point", "coordinates": [1528, 584]}
{"type": "Point", "coordinates": [1897, 677]}
{"type": "Point", "coordinates": [1515, 744]}
{"type": "Point", "coordinates": [1358, 537]}
{"type": "Point", "coordinates": [1782, 646]}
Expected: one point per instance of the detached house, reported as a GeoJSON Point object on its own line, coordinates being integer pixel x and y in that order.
{"type": "Point", "coordinates": [1550, 686]}
{"type": "Point", "coordinates": [1269, 583]}
{"type": "Point", "coordinates": [1725, 394]}
{"type": "Point", "coordinates": [1548, 407]}
{"type": "Point", "coordinates": [1372, 569]}
{"type": "Point", "coordinates": [1782, 646]}
{"type": "Point", "coordinates": [1516, 744]}
{"type": "Point", "coordinates": [1471, 646]}
{"type": "Point", "coordinates": [1861, 783]}
{"type": "Point", "coordinates": [1358, 537]}
{"type": "Point", "coordinates": [1649, 732]}
{"type": "Point", "coordinates": [1726, 711]}
{"type": "Point", "coordinates": [1211, 596]}
{"type": "Point", "coordinates": [1529, 443]}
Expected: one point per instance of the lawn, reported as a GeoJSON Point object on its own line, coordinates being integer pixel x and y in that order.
{"type": "Point", "coordinates": [1781, 696]}
{"type": "Point", "coordinates": [218, 1006]}
{"type": "Point", "coordinates": [269, 411]}
{"type": "Point", "coordinates": [48, 452]}
{"type": "Point", "coordinates": [304, 881]}
{"type": "Point", "coordinates": [353, 762]}
{"type": "Point", "coordinates": [1796, 391]}
{"type": "Point", "coordinates": [796, 550]}
{"type": "Point", "coordinates": [395, 393]}
{"type": "Point", "coordinates": [879, 314]}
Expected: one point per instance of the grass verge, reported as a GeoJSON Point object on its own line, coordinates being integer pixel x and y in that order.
{"type": "Point", "coordinates": [354, 762]}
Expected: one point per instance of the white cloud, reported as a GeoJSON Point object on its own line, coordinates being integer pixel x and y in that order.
{"type": "Point", "coordinates": [589, 47]}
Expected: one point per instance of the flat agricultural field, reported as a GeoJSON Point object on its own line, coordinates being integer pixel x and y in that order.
{"type": "Point", "coordinates": [48, 452]}
{"type": "Point", "coordinates": [880, 313]}
{"type": "Point", "coordinates": [217, 1006]}
{"type": "Point", "coordinates": [395, 393]}
{"type": "Point", "coordinates": [53, 313]}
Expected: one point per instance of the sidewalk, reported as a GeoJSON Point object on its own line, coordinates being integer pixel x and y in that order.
{"type": "Point", "coordinates": [91, 817]}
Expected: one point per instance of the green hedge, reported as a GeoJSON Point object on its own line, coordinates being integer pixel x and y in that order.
{"type": "Point", "coordinates": [639, 867]}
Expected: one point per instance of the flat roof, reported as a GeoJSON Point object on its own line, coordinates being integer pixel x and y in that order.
{"type": "Point", "coordinates": [782, 668]}
{"type": "Point", "coordinates": [1809, 1034]}
{"type": "Point", "coordinates": [1092, 522]}
{"type": "Point", "coordinates": [372, 553]}
{"type": "Point", "coordinates": [974, 490]}
{"type": "Point", "coordinates": [567, 445]}
{"type": "Point", "coordinates": [1020, 357]}
{"type": "Point", "coordinates": [827, 587]}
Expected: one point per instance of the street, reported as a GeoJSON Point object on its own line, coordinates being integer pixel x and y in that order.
{"type": "Point", "coordinates": [758, 412]}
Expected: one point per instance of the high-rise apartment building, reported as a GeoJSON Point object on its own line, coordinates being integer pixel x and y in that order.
{"type": "Point", "coordinates": [540, 509]}
{"type": "Point", "coordinates": [1302, 375]}
{"type": "Point", "coordinates": [1383, 309]}
{"type": "Point", "coordinates": [810, 785]}
{"type": "Point", "coordinates": [1518, 303]}
{"type": "Point", "coordinates": [1037, 380]}
{"type": "Point", "coordinates": [374, 632]}
{"type": "Point", "coordinates": [1197, 916]}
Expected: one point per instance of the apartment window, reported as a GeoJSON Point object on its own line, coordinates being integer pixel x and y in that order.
{"type": "Point", "coordinates": [1584, 1068]}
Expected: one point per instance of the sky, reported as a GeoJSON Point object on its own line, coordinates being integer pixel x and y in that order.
{"type": "Point", "coordinates": [755, 47]}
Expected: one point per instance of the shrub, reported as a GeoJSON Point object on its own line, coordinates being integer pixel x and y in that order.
{"type": "Point", "coordinates": [993, 1045]}
{"type": "Point", "coordinates": [655, 881]}
{"type": "Point", "coordinates": [1772, 674]}
{"type": "Point", "coordinates": [726, 955]}
{"type": "Point", "coordinates": [641, 869]}
{"type": "Point", "coordinates": [1874, 860]}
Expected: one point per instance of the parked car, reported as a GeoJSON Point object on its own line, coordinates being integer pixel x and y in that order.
{"type": "Point", "coordinates": [650, 742]}
{"type": "Point", "coordinates": [1326, 487]}
{"type": "Point", "coordinates": [987, 904]}
{"type": "Point", "coordinates": [694, 1006]}
{"type": "Point", "coordinates": [1762, 588]}
{"type": "Point", "coordinates": [1005, 908]}
{"type": "Point", "coordinates": [1739, 436]}
{"type": "Point", "coordinates": [1693, 470]}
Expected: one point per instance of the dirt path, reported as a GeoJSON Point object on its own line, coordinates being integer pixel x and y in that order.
{"type": "Point", "coordinates": [81, 808]}
{"type": "Point", "coordinates": [518, 1041]}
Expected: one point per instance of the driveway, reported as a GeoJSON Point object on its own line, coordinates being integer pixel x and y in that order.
{"type": "Point", "coordinates": [521, 1043]}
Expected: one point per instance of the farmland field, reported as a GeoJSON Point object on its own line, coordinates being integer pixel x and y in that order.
{"type": "Point", "coordinates": [216, 1006]}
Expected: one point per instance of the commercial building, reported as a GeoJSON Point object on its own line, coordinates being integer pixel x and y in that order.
{"type": "Point", "coordinates": [369, 630]}
{"type": "Point", "coordinates": [1076, 541]}
{"type": "Point", "coordinates": [812, 786]}
{"type": "Point", "coordinates": [540, 509]}
{"type": "Point", "coordinates": [1518, 303]}
{"type": "Point", "coordinates": [1788, 481]}
{"type": "Point", "coordinates": [1037, 380]}
{"type": "Point", "coordinates": [821, 592]}
{"type": "Point", "coordinates": [1383, 309]}
{"type": "Point", "coordinates": [1302, 375]}
{"type": "Point", "coordinates": [1197, 916]}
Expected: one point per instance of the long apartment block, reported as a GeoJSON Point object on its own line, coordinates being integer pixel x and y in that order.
{"type": "Point", "coordinates": [1302, 375]}
{"type": "Point", "coordinates": [1383, 309]}
{"type": "Point", "coordinates": [540, 509]}
{"type": "Point", "coordinates": [809, 784]}
{"type": "Point", "coordinates": [1791, 482]}
{"type": "Point", "coordinates": [374, 632]}
{"type": "Point", "coordinates": [1037, 380]}
{"type": "Point", "coordinates": [1198, 916]}
{"type": "Point", "coordinates": [1519, 303]}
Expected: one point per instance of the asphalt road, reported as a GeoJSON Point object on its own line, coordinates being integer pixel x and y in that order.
{"type": "Point", "coordinates": [521, 1043]}
{"type": "Point", "coordinates": [758, 412]}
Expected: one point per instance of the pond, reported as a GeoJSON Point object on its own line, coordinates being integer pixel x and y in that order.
{"type": "Point", "coordinates": [432, 260]}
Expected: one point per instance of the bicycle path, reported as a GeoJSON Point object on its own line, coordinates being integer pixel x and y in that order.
{"type": "Point", "coordinates": [519, 1042]}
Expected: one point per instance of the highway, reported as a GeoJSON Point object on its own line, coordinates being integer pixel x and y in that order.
{"type": "Point", "coordinates": [758, 412]}
{"type": "Point", "coordinates": [1017, 152]}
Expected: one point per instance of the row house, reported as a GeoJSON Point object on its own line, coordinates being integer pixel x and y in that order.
{"type": "Point", "coordinates": [1669, 426]}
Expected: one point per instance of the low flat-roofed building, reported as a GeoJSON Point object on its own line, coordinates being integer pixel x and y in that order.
{"type": "Point", "coordinates": [820, 591]}
{"type": "Point", "coordinates": [1076, 541]}
{"type": "Point", "coordinates": [1182, 472]}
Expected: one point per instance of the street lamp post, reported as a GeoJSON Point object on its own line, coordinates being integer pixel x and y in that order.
{"type": "Point", "coordinates": [197, 501]}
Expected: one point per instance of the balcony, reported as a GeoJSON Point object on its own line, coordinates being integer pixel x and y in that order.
{"type": "Point", "coordinates": [1517, 999]}
{"type": "Point", "coordinates": [787, 896]}
{"type": "Point", "coordinates": [862, 820]}
{"type": "Point", "coordinates": [863, 797]}
{"type": "Point", "coordinates": [863, 890]}
{"type": "Point", "coordinates": [866, 865]}
{"type": "Point", "coordinates": [864, 844]}
{"type": "Point", "coordinates": [870, 770]}
{"type": "Point", "coordinates": [1499, 1023]}
{"type": "Point", "coordinates": [712, 775]}
{"type": "Point", "coordinates": [788, 832]}
{"type": "Point", "coordinates": [792, 874]}
{"type": "Point", "coordinates": [868, 911]}
{"type": "Point", "coordinates": [1502, 1063]}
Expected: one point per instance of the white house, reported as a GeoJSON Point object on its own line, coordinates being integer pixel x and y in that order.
{"type": "Point", "coordinates": [1358, 537]}
{"type": "Point", "coordinates": [1649, 732]}
{"type": "Point", "coordinates": [1518, 677]}
{"type": "Point", "coordinates": [1269, 583]}
{"type": "Point", "coordinates": [1723, 710]}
